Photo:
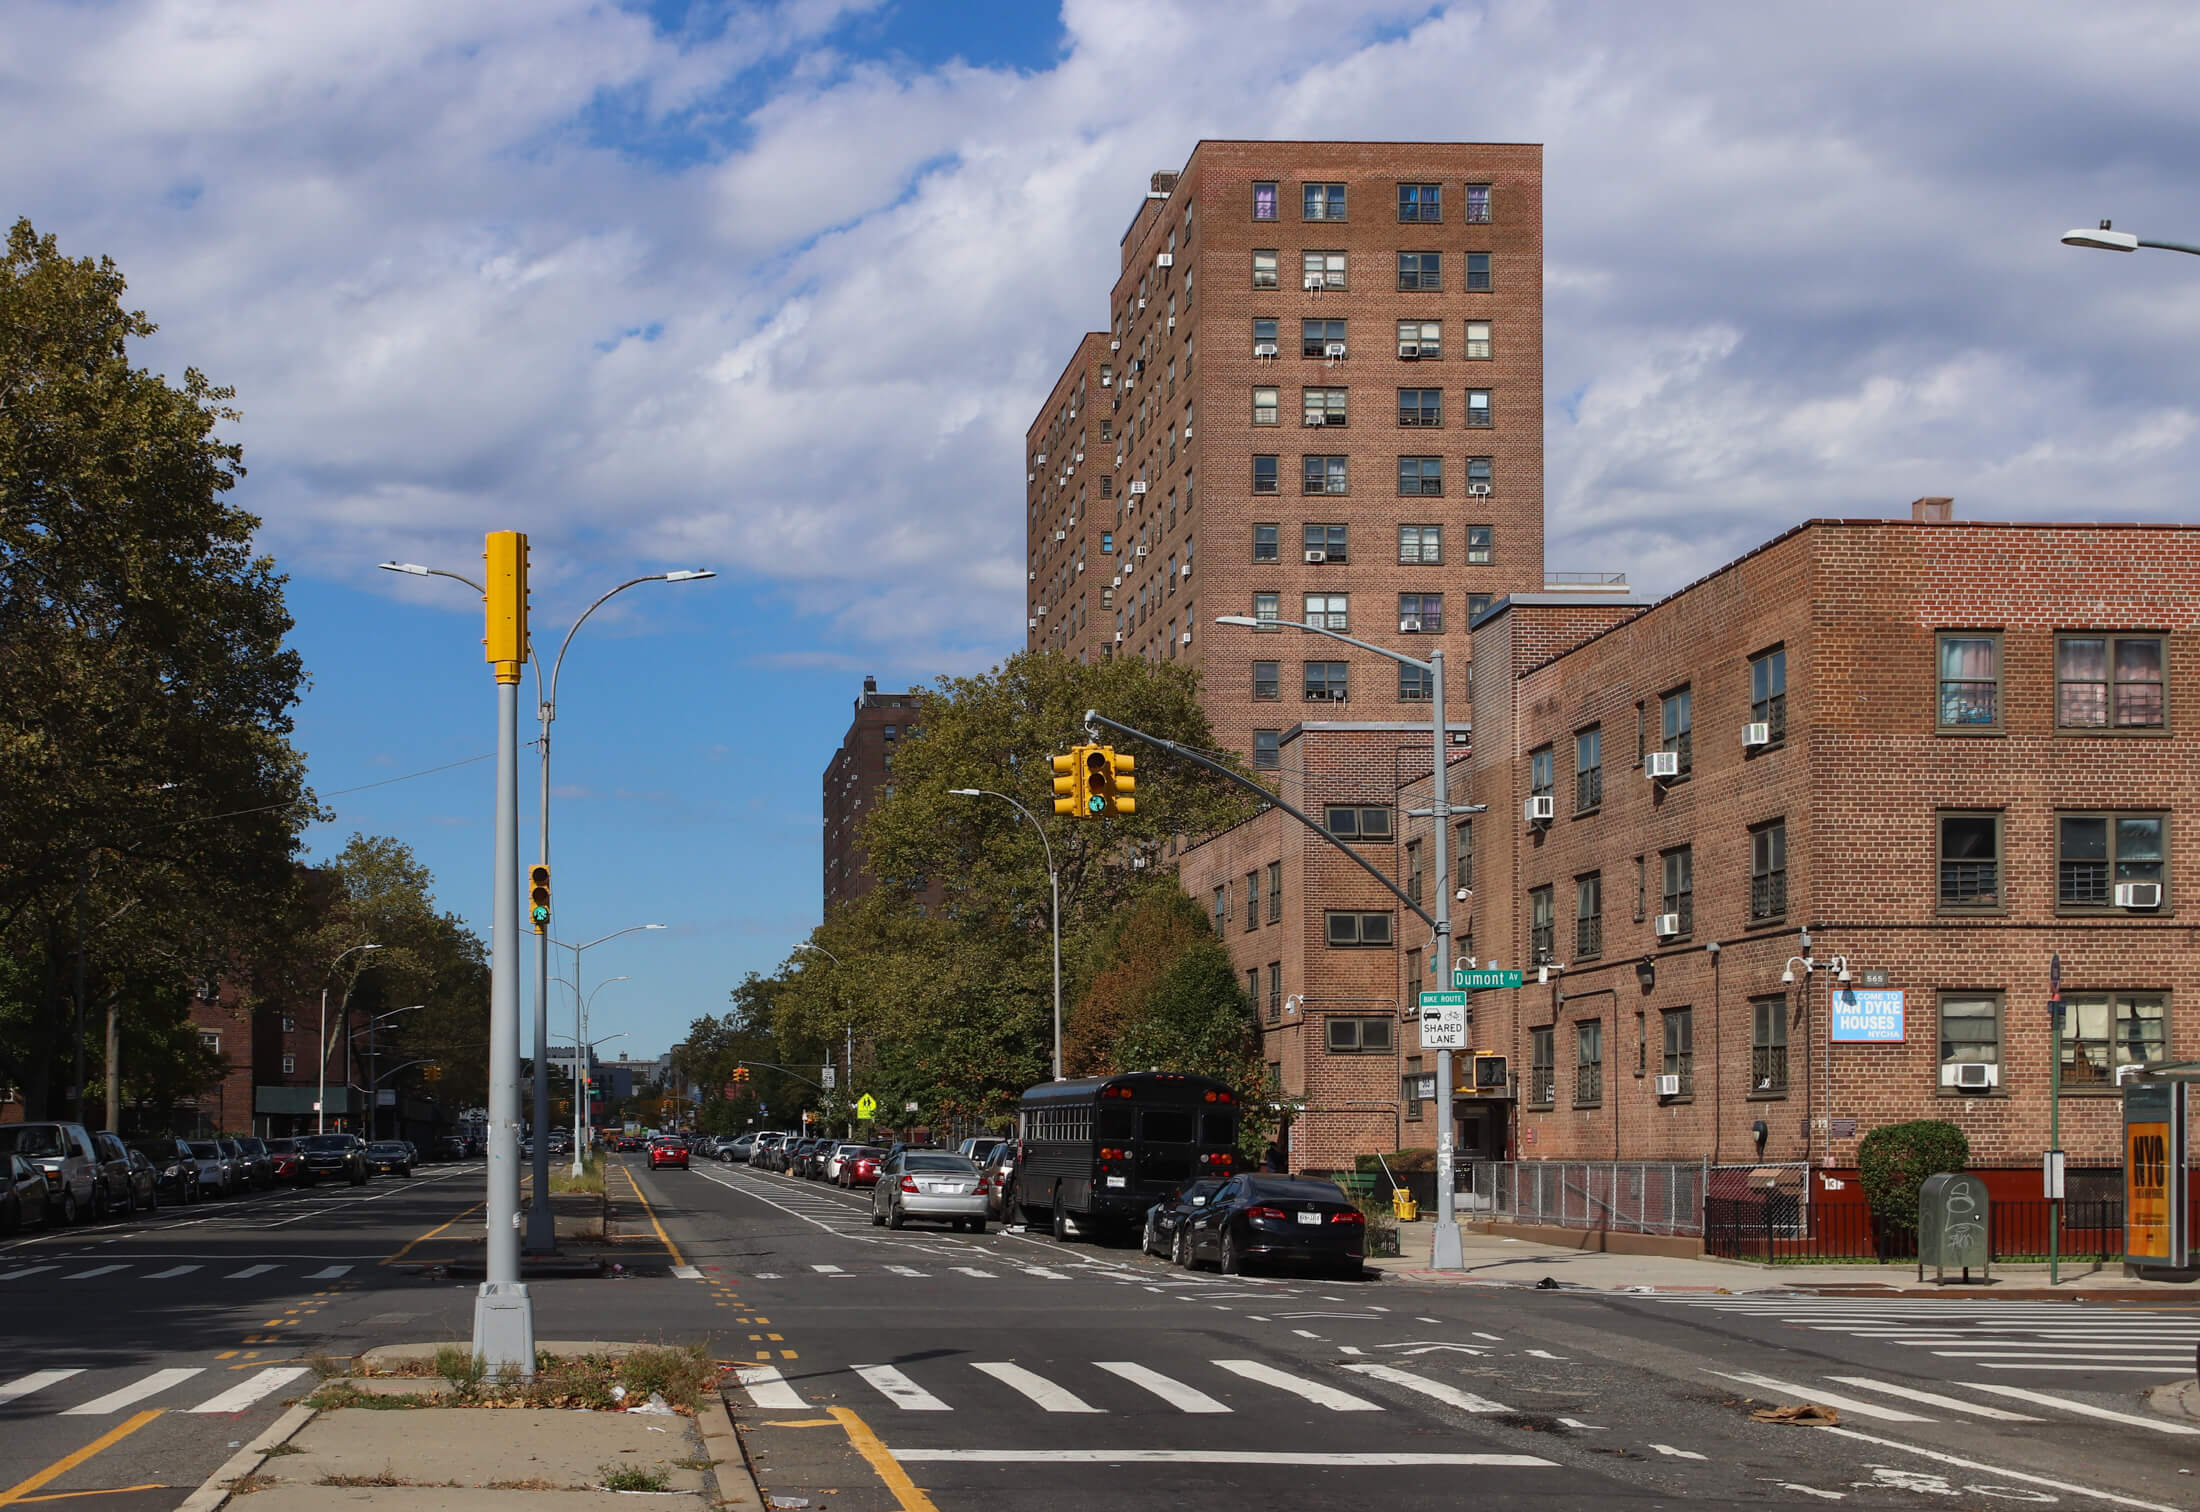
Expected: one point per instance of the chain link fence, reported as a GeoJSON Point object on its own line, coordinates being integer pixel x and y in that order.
{"type": "Point", "coordinates": [1627, 1196]}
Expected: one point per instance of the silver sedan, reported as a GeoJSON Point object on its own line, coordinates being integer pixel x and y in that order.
{"type": "Point", "coordinates": [929, 1184]}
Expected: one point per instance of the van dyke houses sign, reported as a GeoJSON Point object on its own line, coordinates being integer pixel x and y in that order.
{"type": "Point", "coordinates": [1867, 1016]}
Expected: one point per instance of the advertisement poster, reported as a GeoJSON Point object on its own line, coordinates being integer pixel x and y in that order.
{"type": "Point", "coordinates": [2155, 1184]}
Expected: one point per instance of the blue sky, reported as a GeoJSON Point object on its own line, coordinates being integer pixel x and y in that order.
{"type": "Point", "coordinates": [772, 286]}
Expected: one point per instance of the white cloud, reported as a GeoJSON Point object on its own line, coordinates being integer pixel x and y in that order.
{"type": "Point", "coordinates": [749, 299]}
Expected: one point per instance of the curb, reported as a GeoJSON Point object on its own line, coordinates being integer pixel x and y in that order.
{"type": "Point", "coordinates": [215, 1489]}
{"type": "Point", "coordinates": [737, 1486]}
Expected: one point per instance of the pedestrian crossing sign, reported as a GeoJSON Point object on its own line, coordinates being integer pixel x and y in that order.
{"type": "Point", "coordinates": [866, 1106]}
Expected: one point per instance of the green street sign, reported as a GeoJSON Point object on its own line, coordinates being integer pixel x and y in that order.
{"type": "Point", "coordinates": [866, 1105]}
{"type": "Point", "coordinates": [1481, 981]}
{"type": "Point", "coordinates": [1431, 1000]}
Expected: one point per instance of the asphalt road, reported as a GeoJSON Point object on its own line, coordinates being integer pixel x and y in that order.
{"type": "Point", "coordinates": [924, 1369]}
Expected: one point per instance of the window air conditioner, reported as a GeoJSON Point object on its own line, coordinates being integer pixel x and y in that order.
{"type": "Point", "coordinates": [1660, 766]}
{"type": "Point", "coordinates": [1165, 260]}
{"type": "Point", "coordinates": [1264, 349]}
{"type": "Point", "coordinates": [1116, 345]}
{"type": "Point", "coordinates": [1040, 459]}
{"type": "Point", "coordinates": [1314, 282]}
{"type": "Point", "coordinates": [1118, 635]}
{"type": "Point", "coordinates": [1172, 322]}
{"type": "Point", "coordinates": [1317, 556]}
{"type": "Point", "coordinates": [1035, 575]}
{"type": "Point", "coordinates": [1141, 301]}
{"type": "Point", "coordinates": [1031, 477]}
{"type": "Point", "coordinates": [2138, 895]}
{"type": "Point", "coordinates": [1031, 624]}
{"type": "Point", "coordinates": [1080, 566]}
{"type": "Point", "coordinates": [1478, 490]}
{"type": "Point", "coordinates": [1061, 535]}
{"type": "Point", "coordinates": [1669, 1086]}
{"type": "Point", "coordinates": [1541, 809]}
{"type": "Point", "coordinates": [1185, 570]}
{"type": "Point", "coordinates": [1042, 611]}
{"type": "Point", "coordinates": [1970, 1075]}
{"type": "Point", "coordinates": [1187, 638]}
{"type": "Point", "coordinates": [1669, 924]}
{"type": "Point", "coordinates": [1138, 485]}
{"type": "Point", "coordinates": [1409, 626]}
{"type": "Point", "coordinates": [1757, 732]}
{"type": "Point", "coordinates": [1410, 350]}
{"type": "Point", "coordinates": [1143, 550]}
{"type": "Point", "coordinates": [1333, 349]}
{"type": "Point", "coordinates": [1107, 380]}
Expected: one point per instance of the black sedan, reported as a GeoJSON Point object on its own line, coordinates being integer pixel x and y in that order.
{"type": "Point", "coordinates": [390, 1157]}
{"type": "Point", "coordinates": [1263, 1217]}
{"type": "Point", "coordinates": [1165, 1220]}
{"type": "Point", "coordinates": [338, 1155]}
{"type": "Point", "coordinates": [175, 1166]}
{"type": "Point", "coordinates": [23, 1196]}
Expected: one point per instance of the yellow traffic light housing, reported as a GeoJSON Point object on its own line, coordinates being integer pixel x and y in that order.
{"type": "Point", "coordinates": [538, 898]}
{"type": "Point", "coordinates": [1125, 783]}
{"type": "Point", "coordinates": [504, 567]}
{"type": "Point", "coordinates": [1099, 786]}
{"type": "Point", "coordinates": [1069, 793]}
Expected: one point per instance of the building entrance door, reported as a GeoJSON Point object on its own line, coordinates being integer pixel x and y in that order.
{"type": "Point", "coordinates": [1481, 1130]}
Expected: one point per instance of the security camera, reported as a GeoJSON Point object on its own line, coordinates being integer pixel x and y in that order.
{"type": "Point", "coordinates": [1462, 895]}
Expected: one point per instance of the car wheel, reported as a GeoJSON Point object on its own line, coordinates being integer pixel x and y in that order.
{"type": "Point", "coordinates": [99, 1203]}
{"type": "Point", "coordinates": [1146, 1241]}
{"type": "Point", "coordinates": [1231, 1263]}
{"type": "Point", "coordinates": [878, 1219]}
{"type": "Point", "coordinates": [1180, 1248]}
{"type": "Point", "coordinates": [1061, 1222]}
{"type": "Point", "coordinates": [895, 1218]}
{"type": "Point", "coordinates": [70, 1212]}
{"type": "Point", "coordinates": [977, 1225]}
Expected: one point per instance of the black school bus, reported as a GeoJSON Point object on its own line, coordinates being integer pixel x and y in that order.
{"type": "Point", "coordinates": [1101, 1150]}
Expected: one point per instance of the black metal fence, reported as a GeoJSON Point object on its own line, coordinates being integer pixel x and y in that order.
{"type": "Point", "coordinates": [1773, 1228]}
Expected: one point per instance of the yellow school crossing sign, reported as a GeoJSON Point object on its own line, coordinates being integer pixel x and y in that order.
{"type": "Point", "coordinates": [866, 1105]}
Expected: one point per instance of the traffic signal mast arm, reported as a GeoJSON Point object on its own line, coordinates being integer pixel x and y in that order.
{"type": "Point", "coordinates": [1094, 717]}
{"type": "Point", "coordinates": [798, 1076]}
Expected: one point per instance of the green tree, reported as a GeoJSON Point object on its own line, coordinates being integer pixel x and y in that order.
{"type": "Point", "coordinates": [1894, 1160]}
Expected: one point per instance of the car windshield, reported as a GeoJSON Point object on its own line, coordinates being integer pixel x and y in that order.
{"type": "Point", "coordinates": [955, 1163]}
{"type": "Point", "coordinates": [282, 1146]}
{"type": "Point", "coordinates": [386, 1148]}
{"type": "Point", "coordinates": [326, 1144]}
{"type": "Point", "coordinates": [205, 1149]}
{"type": "Point", "coordinates": [1196, 1192]}
{"type": "Point", "coordinates": [32, 1139]}
{"type": "Point", "coordinates": [1293, 1189]}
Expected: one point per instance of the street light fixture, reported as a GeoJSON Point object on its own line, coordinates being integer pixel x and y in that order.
{"type": "Point", "coordinates": [580, 1029]}
{"type": "Point", "coordinates": [1054, 888]}
{"type": "Point", "coordinates": [2104, 238]}
{"type": "Point", "coordinates": [374, 1099]}
{"type": "Point", "coordinates": [848, 1026]}
{"type": "Point", "coordinates": [343, 1006]}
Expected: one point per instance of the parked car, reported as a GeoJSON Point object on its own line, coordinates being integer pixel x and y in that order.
{"type": "Point", "coordinates": [117, 1189]}
{"type": "Point", "coordinates": [668, 1152]}
{"type": "Point", "coordinates": [859, 1166]}
{"type": "Point", "coordinates": [999, 1170]}
{"type": "Point", "coordinates": [1166, 1218]}
{"type": "Point", "coordinates": [64, 1153]}
{"type": "Point", "coordinates": [928, 1184]}
{"type": "Point", "coordinates": [450, 1147]}
{"type": "Point", "coordinates": [760, 1150]}
{"type": "Point", "coordinates": [144, 1181]}
{"type": "Point", "coordinates": [836, 1155]}
{"type": "Point", "coordinates": [259, 1160]}
{"type": "Point", "coordinates": [390, 1157]}
{"type": "Point", "coordinates": [241, 1160]}
{"type": "Point", "coordinates": [741, 1148]}
{"type": "Point", "coordinates": [1258, 1217]}
{"type": "Point", "coordinates": [342, 1156]}
{"type": "Point", "coordinates": [290, 1161]}
{"type": "Point", "coordinates": [979, 1147]}
{"type": "Point", "coordinates": [217, 1168]}
{"type": "Point", "coordinates": [23, 1195]}
{"type": "Point", "coordinates": [175, 1166]}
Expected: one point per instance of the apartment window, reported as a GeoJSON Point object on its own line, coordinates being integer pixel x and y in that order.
{"type": "Point", "coordinates": [1266, 543]}
{"type": "Point", "coordinates": [1679, 894]}
{"type": "Point", "coordinates": [1267, 750]}
{"type": "Point", "coordinates": [1589, 1063]}
{"type": "Point", "coordinates": [1478, 341]}
{"type": "Point", "coordinates": [1326, 682]}
{"type": "Point", "coordinates": [1588, 770]}
{"type": "Point", "coordinates": [1420, 545]}
{"type": "Point", "coordinates": [1325, 475]}
{"type": "Point", "coordinates": [1353, 930]}
{"type": "Point", "coordinates": [2096, 852]}
{"type": "Point", "coordinates": [210, 1040]}
{"type": "Point", "coordinates": [2110, 682]}
{"type": "Point", "coordinates": [1589, 916]}
{"type": "Point", "coordinates": [1970, 1028]}
{"type": "Point", "coordinates": [1422, 407]}
{"type": "Point", "coordinates": [1768, 872]}
{"type": "Point", "coordinates": [1423, 612]}
{"type": "Point", "coordinates": [1420, 271]}
{"type": "Point", "coordinates": [1275, 982]}
{"type": "Point", "coordinates": [1264, 337]}
{"type": "Point", "coordinates": [1264, 202]}
{"type": "Point", "coordinates": [1542, 1077]}
{"type": "Point", "coordinates": [1275, 892]}
{"type": "Point", "coordinates": [1267, 682]}
{"type": "Point", "coordinates": [1267, 607]}
{"type": "Point", "coordinates": [1415, 684]}
{"type": "Point", "coordinates": [1322, 406]}
{"type": "Point", "coordinates": [1252, 917]}
{"type": "Point", "coordinates": [1317, 336]}
{"type": "Point", "coordinates": [1680, 1048]}
{"type": "Point", "coordinates": [1420, 477]}
{"type": "Point", "coordinates": [1222, 909]}
{"type": "Point", "coordinates": [1768, 691]}
{"type": "Point", "coordinates": [1252, 986]}
{"type": "Point", "coordinates": [1421, 340]}
{"type": "Point", "coordinates": [1541, 767]}
{"type": "Point", "coordinates": [1462, 839]}
{"type": "Point", "coordinates": [1264, 474]}
{"type": "Point", "coordinates": [1359, 1036]}
{"type": "Point", "coordinates": [1413, 891]}
{"type": "Point", "coordinates": [1676, 726]}
{"type": "Point", "coordinates": [1322, 270]}
{"type": "Point", "coordinates": [1478, 204]}
{"type": "Point", "coordinates": [1409, 1088]}
{"type": "Point", "coordinates": [1477, 605]}
{"type": "Point", "coordinates": [1324, 202]}
{"type": "Point", "coordinates": [289, 1023]}
{"type": "Point", "coordinates": [1328, 611]}
{"type": "Point", "coordinates": [1420, 202]}
{"type": "Point", "coordinates": [1768, 1047]}
{"type": "Point", "coordinates": [1357, 821]}
{"type": "Point", "coordinates": [1970, 680]}
{"type": "Point", "coordinates": [1478, 409]}
{"type": "Point", "coordinates": [1264, 267]}
{"type": "Point", "coordinates": [1267, 407]}
{"type": "Point", "coordinates": [1327, 539]}
{"type": "Point", "coordinates": [1542, 914]}
{"type": "Point", "coordinates": [1478, 271]}
{"type": "Point", "coordinates": [2102, 1031]}
{"type": "Point", "coordinates": [1481, 545]}
{"type": "Point", "coordinates": [290, 1065]}
{"type": "Point", "coordinates": [1970, 863]}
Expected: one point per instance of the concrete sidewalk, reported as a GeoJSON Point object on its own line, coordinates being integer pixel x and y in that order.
{"type": "Point", "coordinates": [1499, 1260]}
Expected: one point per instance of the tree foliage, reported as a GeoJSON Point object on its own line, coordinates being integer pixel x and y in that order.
{"type": "Point", "coordinates": [1894, 1160]}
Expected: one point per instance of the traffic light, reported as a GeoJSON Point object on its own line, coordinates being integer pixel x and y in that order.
{"type": "Point", "coordinates": [1490, 1074]}
{"type": "Point", "coordinates": [1108, 783]}
{"type": "Point", "coordinates": [538, 897]}
{"type": "Point", "coordinates": [1069, 792]}
{"type": "Point", "coordinates": [1125, 784]}
{"type": "Point", "coordinates": [740, 1073]}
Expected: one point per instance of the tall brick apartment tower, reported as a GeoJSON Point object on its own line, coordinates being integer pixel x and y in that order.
{"type": "Point", "coordinates": [1320, 394]}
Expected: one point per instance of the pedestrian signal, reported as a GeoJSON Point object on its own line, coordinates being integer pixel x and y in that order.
{"type": "Point", "coordinates": [538, 898]}
{"type": "Point", "coordinates": [1069, 793]}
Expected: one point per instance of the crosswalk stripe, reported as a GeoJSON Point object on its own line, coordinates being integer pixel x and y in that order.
{"type": "Point", "coordinates": [252, 1388]}
{"type": "Point", "coordinates": [330, 1274]}
{"type": "Point", "coordinates": [1050, 1397]}
{"type": "Point", "coordinates": [2084, 1409]}
{"type": "Point", "coordinates": [972, 1270]}
{"type": "Point", "coordinates": [37, 1380]}
{"type": "Point", "coordinates": [1451, 1396]}
{"type": "Point", "coordinates": [1178, 1395]}
{"type": "Point", "coordinates": [1042, 1273]}
{"type": "Point", "coordinates": [904, 1270]}
{"type": "Point", "coordinates": [1805, 1394]}
{"type": "Point", "coordinates": [248, 1273]}
{"type": "Point", "coordinates": [97, 1270]}
{"type": "Point", "coordinates": [174, 1271]}
{"type": "Point", "coordinates": [900, 1390]}
{"type": "Point", "coordinates": [687, 1273]}
{"type": "Point", "coordinates": [136, 1391]}
{"type": "Point", "coordinates": [826, 1270]}
{"type": "Point", "coordinates": [1313, 1391]}
{"type": "Point", "coordinates": [28, 1270]}
{"type": "Point", "coordinates": [768, 1389]}
{"type": "Point", "coordinates": [1935, 1399]}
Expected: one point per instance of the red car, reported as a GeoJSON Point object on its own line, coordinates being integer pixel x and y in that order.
{"type": "Point", "coordinates": [861, 1169]}
{"type": "Point", "coordinates": [668, 1152]}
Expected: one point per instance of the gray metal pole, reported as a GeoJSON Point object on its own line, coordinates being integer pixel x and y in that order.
{"type": "Point", "coordinates": [504, 1323]}
{"type": "Point", "coordinates": [1445, 1250]}
{"type": "Point", "coordinates": [1054, 885]}
{"type": "Point", "coordinates": [542, 1228]}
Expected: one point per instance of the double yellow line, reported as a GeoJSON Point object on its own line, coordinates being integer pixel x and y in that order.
{"type": "Point", "coordinates": [22, 1489]}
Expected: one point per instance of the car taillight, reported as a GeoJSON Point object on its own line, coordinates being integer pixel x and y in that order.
{"type": "Point", "coordinates": [1278, 1214]}
{"type": "Point", "coordinates": [1348, 1217]}
{"type": "Point", "coordinates": [909, 1183]}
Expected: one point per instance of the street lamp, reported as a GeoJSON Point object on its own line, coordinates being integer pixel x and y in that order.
{"type": "Point", "coordinates": [343, 1006]}
{"type": "Point", "coordinates": [541, 1227]}
{"type": "Point", "coordinates": [580, 1028]}
{"type": "Point", "coordinates": [1054, 887]}
{"type": "Point", "coordinates": [848, 1025]}
{"type": "Point", "coordinates": [1445, 1250]}
{"type": "Point", "coordinates": [581, 1079]}
{"type": "Point", "coordinates": [374, 1098]}
{"type": "Point", "coordinates": [1839, 967]}
{"type": "Point", "coordinates": [2103, 238]}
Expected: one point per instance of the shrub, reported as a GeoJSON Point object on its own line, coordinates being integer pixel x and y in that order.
{"type": "Point", "coordinates": [1895, 1160]}
{"type": "Point", "coordinates": [1400, 1162]}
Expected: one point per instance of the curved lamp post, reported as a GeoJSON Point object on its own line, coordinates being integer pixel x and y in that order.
{"type": "Point", "coordinates": [2103, 238]}
{"type": "Point", "coordinates": [1054, 886]}
{"type": "Point", "coordinates": [343, 1006]}
{"type": "Point", "coordinates": [580, 1031]}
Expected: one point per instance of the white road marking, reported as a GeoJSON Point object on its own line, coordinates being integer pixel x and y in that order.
{"type": "Point", "coordinates": [1806, 1394]}
{"type": "Point", "coordinates": [1585, 1427]}
{"type": "Point", "coordinates": [1312, 1391]}
{"type": "Point", "coordinates": [1178, 1395]}
{"type": "Point", "coordinates": [1050, 1397]}
{"type": "Point", "coordinates": [1255, 1318]}
{"type": "Point", "coordinates": [768, 1389]}
{"type": "Point", "coordinates": [1220, 1457]}
{"type": "Point", "coordinates": [37, 1380]}
{"type": "Point", "coordinates": [767, 1275]}
{"type": "Point", "coordinates": [2166, 1361]}
{"type": "Point", "coordinates": [687, 1272]}
{"type": "Point", "coordinates": [97, 1270]}
{"type": "Point", "coordinates": [248, 1272]}
{"type": "Point", "coordinates": [826, 1270]}
{"type": "Point", "coordinates": [1493, 1338]}
{"type": "Point", "coordinates": [1935, 1399]}
{"type": "Point", "coordinates": [252, 1388]}
{"type": "Point", "coordinates": [1304, 1333]}
{"type": "Point", "coordinates": [330, 1274]}
{"type": "Point", "coordinates": [1371, 1307]}
{"type": "Point", "coordinates": [900, 1390]}
{"type": "Point", "coordinates": [28, 1270]}
{"type": "Point", "coordinates": [1809, 1490]}
{"type": "Point", "coordinates": [2150, 1370]}
{"type": "Point", "coordinates": [972, 1270]}
{"type": "Point", "coordinates": [1043, 1273]}
{"type": "Point", "coordinates": [1999, 1472]}
{"type": "Point", "coordinates": [905, 1270]}
{"type": "Point", "coordinates": [1545, 1354]}
{"type": "Point", "coordinates": [1450, 1396]}
{"type": "Point", "coordinates": [2084, 1409]}
{"type": "Point", "coordinates": [136, 1391]}
{"type": "Point", "coordinates": [1672, 1453]}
